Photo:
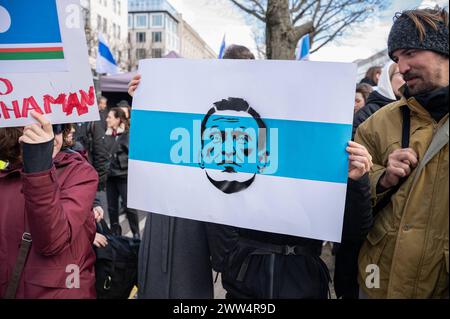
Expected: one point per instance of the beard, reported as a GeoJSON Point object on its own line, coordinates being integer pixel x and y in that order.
{"type": "Point", "coordinates": [420, 84]}
{"type": "Point", "coordinates": [230, 187]}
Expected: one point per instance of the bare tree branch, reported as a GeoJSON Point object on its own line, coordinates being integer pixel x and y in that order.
{"type": "Point", "coordinates": [338, 31]}
{"type": "Point", "coordinates": [302, 13]}
{"type": "Point", "coordinates": [249, 11]}
{"type": "Point", "coordinates": [297, 5]}
{"type": "Point", "coordinates": [305, 28]}
{"type": "Point", "coordinates": [285, 21]}
{"type": "Point", "coordinates": [258, 5]}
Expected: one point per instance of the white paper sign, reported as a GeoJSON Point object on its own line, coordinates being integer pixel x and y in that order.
{"type": "Point", "coordinates": [254, 144]}
{"type": "Point", "coordinates": [44, 65]}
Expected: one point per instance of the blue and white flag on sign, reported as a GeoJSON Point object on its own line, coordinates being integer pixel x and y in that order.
{"type": "Point", "coordinates": [303, 46]}
{"type": "Point", "coordinates": [105, 60]}
{"type": "Point", "coordinates": [222, 48]}
{"type": "Point", "coordinates": [220, 141]}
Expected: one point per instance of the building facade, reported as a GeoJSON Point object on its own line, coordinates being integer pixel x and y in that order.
{"type": "Point", "coordinates": [378, 59]}
{"type": "Point", "coordinates": [192, 44]}
{"type": "Point", "coordinates": [108, 17]}
{"type": "Point", "coordinates": [155, 29]}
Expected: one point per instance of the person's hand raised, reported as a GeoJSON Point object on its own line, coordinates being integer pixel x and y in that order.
{"type": "Point", "coordinates": [37, 133]}
{"type": "Point", "coordinates": [133, 85]}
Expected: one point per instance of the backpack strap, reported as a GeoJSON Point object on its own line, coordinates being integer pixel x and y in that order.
{"type": "Point", "coordinates": [406, 128]}
{"type": "Point", "coordinates": [24, 250]}
{"type": "Point", "coordinates": [13, 284]}
{"type": "Point", "coordinates": [440, 139]}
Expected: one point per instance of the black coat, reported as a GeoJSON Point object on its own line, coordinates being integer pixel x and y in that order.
{"type": "Point", "coordinates": [252, 267]}
{"type": "Point", "coordinates": [375, 101]}
{"type": "Point", "coordinates": [358, 218]}
{"type": "Point", "coordinates": [368, 81]}
{"type": "Point", "coordinates": [174, 260]}
{"type": "Point", "coordinates": [90, 136]}
{"type": "Point", "coordinates": [117, 150]}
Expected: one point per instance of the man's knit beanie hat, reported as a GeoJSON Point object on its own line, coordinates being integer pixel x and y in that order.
{"type": "Point", "coordinates": [405, 35]}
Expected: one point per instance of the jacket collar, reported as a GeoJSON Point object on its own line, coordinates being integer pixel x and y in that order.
{"type": "Point", "coordinates": [415, 105]}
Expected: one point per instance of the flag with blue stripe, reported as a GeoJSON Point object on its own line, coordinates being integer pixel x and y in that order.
{"type": "Point", "coordinates": [303, 48]}
{"type": "Point", "coordinates": [242, 148]}
{"type": "Point", "coordinates": [222, 48]}
{"type": "Point", "coordinates": [105, 59]}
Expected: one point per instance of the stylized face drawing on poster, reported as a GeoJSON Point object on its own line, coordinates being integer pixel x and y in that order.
{"type": "Point", "coordinates": [220, 141]}
{"type": "Point", "coordinates": [234, 145]}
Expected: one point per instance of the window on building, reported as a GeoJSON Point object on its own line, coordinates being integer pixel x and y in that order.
{"type": "Point", "coordinates": [172, 25]}
{"type": "Point", "coordinates": [140, 54]}
{"type": "Point", "coordinates": [105, 26]}
{"type": "Point", "coordinates": [119, 8]}
{"type": "Point", "coordinates": [156, 36]}
{"type": "Point", "coordinates": [157, 20]}
{"type": "Point", "coordinates": [140, 37]}
{"type": "Point", "coordinates": [99, 22]}
{"type": "Point", "coordinates": [130, 21]}
{"type": "Point", "coordinates": [118, 31]}
{"type": "Point", "coordinates": [156, 53]}
{"type": "Point", "coordinates": [114, 30]}
{"type": "Point", "coordinates": [114, 6]}
{"type": "Point", "coordinates": [141, 21]}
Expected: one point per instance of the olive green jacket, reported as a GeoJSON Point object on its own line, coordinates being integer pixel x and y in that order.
{"type": "Point", "coordinates": [409, 239]}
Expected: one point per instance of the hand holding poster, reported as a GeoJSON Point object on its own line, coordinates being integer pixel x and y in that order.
{"type": "Point", "coordinates": [44, 66]}
{"type": "Point", "coordinates": [254, 144]}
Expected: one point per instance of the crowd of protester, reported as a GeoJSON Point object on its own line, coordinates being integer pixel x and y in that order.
{"type": "Point", "coordinates": [396, 212]}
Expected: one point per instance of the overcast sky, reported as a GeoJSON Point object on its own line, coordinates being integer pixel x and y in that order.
{"type": "Point", "coordinates": [214, 18]}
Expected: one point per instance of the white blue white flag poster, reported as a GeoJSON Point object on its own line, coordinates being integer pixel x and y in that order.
{"type": "Point", "coordinates": [44, 63]}
{"type": "Point", "coordinates": [30, 37]}
{"type": "Point", "coordinates": [253, 144]}
{"type": "Point", "coordinates": [105, 59]}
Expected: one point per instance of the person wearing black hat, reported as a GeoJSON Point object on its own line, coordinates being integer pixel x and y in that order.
{"type": "Point", "coordinates": [405, 254]}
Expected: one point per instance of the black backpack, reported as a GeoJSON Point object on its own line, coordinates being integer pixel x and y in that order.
{"type": "Point", "coordinates": [116, 265]}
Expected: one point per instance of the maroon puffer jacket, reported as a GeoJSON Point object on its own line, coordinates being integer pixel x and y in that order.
{"type": "Point", "coordinates": [56, 206]}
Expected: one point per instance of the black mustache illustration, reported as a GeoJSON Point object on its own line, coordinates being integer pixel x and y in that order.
{"type": "Point", "coordinates": [229, 169]}
{"type": "Point", "coordinates": [229, 163]}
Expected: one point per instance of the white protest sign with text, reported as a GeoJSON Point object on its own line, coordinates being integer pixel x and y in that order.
{"type": "Point", "coordinates": [44, 66]}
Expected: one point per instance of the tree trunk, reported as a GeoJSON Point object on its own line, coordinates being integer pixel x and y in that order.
{"type": "Point", "coordinates": [280, 44]}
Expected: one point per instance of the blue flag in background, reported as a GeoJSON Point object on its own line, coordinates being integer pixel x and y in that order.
{"type": "Point", "coordinates": [303, 47]}
{"type": "Point", "coordinates": [222, 48]}
{"type": "Point", "coordinates": [105, 59]}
